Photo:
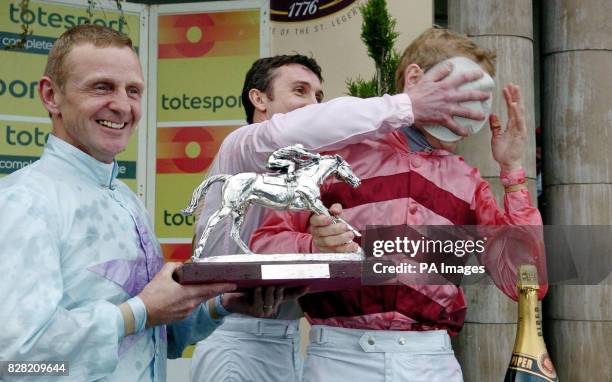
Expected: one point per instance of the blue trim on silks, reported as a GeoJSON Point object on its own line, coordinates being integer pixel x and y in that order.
{"type": "Point", "coordinates": [416, 140]}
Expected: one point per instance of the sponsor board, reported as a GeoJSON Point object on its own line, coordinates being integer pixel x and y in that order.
{"type": "Point", "coordinates": [24, 123]}
{"type": "Point", "coordinates": [184, 155]}
{"type": "Point", "coordinates": [202, 59]}
{"type": "Point", "coordinates": [21, 68]}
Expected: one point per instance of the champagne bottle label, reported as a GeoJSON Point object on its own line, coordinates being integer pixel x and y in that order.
{"type": "Point", "coordinates": [526, 368]}
{"type": "Point", "coordinates": [530, 361]}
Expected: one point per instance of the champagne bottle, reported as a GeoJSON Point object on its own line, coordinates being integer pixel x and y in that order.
{"type": "Point", "coordinates": [530, 361]}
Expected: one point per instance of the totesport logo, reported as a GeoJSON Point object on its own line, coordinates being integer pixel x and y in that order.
{"type": "Point", "coordinates": [209, 34]}
{"type": "Point", "coordinates": [188, 149]}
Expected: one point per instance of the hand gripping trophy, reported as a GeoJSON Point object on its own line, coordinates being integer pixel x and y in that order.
{"type": "Point", "coordinates": [295, 188]}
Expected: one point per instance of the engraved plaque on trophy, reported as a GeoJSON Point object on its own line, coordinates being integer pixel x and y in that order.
{"type": "Point", "coordinates": [296, 189]}
{"type": "Point", "coordinates": [319, 271]}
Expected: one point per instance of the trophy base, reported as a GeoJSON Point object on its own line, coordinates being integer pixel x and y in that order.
{"type": "Point", "coordinates": [318, 271]}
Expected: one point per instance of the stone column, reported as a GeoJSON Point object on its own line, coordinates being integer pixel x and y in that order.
{"type": "Point", "coordinates": [577, 128]}
{"type": "Point", "coordinates": [484, 346]}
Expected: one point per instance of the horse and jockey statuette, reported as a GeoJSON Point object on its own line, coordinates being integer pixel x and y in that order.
{"type": "Point", "coordinates": [295, 188]}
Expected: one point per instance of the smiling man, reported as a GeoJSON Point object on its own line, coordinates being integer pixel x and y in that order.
{"type": "Point", "coordinates": [84, 280]}
{"type": "Point", "coordinates": [96, 106]}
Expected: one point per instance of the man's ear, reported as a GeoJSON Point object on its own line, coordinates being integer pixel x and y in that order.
{"type": "Point", "coordinates": [48, 94]}
{"type": "Point", "coordinates": [258, 99]}
{"type": "Point", "coordinates": [412, 74]}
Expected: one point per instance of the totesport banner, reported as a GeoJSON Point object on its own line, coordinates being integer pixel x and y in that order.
{"type": "Point", "coordinates": [202, 58]}
{"type": "Point", "coordinates": [24, 123]}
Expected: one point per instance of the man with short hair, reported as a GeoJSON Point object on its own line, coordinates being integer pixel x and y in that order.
{"type": "Point", "coordinates": [409, 177]}
{"type": "Point", "coordinates": [245, 349]}
{"type": "Point", "coordinates": [84, 280]}
{"type": "Point", "coordinates": [282, 96]}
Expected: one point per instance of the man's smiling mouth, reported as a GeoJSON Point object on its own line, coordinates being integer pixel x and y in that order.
{"type": "Point", "coordinates": [112, 125]}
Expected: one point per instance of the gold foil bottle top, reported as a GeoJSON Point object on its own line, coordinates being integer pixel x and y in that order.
{"type": "Point", "coordinates": [528, 277]}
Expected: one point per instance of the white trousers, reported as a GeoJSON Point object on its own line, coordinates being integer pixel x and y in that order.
{"type": "Point", "coordinates": [246, 349]}
{"type": "Point", "coordinates": [352, 355]}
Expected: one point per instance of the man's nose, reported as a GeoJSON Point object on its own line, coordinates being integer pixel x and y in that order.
{"type": "Point", "coordinates": [121, 102]}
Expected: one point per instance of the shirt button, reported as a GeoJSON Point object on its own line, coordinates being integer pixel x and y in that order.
{"type": "Point", "coordinates": [371, 341]}
{"type": "Point", "coordinates": [412, 209]}
{"type": "Point", "coordinates": [402, 341]}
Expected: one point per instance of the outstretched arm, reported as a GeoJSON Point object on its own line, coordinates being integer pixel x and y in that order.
{"type": "Point", "coordinates": [320, 127]}
{"type": "Point", "coordinates": [332, 125]}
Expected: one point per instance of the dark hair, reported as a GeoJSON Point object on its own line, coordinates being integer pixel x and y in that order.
{"type": "Point", "coordinates": [261, 74]}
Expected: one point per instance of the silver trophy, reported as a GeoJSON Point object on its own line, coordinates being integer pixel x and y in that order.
{"type": "Point", "coordinates": [295, 188]}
